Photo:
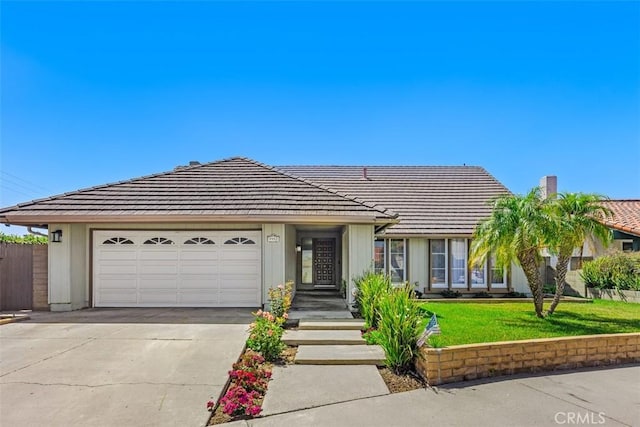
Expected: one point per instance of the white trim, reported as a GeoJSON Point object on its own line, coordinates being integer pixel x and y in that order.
{"type": "Point", "coordinates": [445, 284]}
{"type": "Point", "coordinates": [463, 285]}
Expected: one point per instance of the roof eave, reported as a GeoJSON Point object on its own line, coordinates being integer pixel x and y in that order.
{"type": "Point", "coordinates": [26, 220]}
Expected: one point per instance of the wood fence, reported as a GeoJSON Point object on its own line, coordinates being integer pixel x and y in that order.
{"type": "Point", "coordinates": [23, 277]}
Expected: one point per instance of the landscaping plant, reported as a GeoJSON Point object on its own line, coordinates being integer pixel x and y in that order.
{"type": "Point", "coordinates": [371, 287]}
{"type": "Point", "coordinates": [399, 327]}
{"type": "Point", "coordinates": [280, 300]}
{"type": "Point", "coordinates": [618, 271]}
{"type": "Point", "coordinates": [520, 227]}
{"type": "Point", "coordinates": [265, 335]}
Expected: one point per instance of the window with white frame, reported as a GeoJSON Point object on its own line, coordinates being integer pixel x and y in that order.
{"type": "Point", "coordinates": [390, 256]}
{"type": "Point", "coordinates": [479, 276]}
{"type": "Point", "coordinates": [458, 262]}
{"type": "Point", "coordinates": [498, 274]}
{"type": "Point", "coordinates": [397, 260]}
{"type": "Point", "coordinates": [438, 255]}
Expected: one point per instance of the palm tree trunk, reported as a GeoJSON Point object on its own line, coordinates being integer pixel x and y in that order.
{"type": "Point", "coordinates": [581, 254]}
{"type": "Point", "coordinates": [560, 275]}
{"type": "Point", "coordinates": [530, 267]}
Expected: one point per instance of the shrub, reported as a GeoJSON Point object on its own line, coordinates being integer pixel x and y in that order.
{"type": "Point", "coordinates": [399, 327]}
{"type": "Point", "coordinates": [514, 294]}
{"type": "Point", "coordinates": [371, 288]}
{"type": "Point", "coordinates": [239, 401]}
{"type": "Point", "coordinates": [28, 239]}
{"type": "Point", "coordinates": [482, 294]}
{"type": "Point", "coordinates": [265, 336]}
{"type": "Point", "coordinates": [280, 300]}
{"type": "Point", "coordinates": [619, 271]}
{"type": "Point", "coordinates": [447, 293]}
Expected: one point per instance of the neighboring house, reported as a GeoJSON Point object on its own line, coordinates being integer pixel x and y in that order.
{"type": "Point", "coordinates": [625, 224]}
{"type": "Point", "coordinates": [220, 234]}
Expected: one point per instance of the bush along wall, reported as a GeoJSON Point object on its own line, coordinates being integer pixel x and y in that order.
{"type": "Point", "coordinates": [619, 271]}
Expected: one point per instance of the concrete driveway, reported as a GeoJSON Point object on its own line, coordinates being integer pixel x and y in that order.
{"type": "Point", "coordinates": [117, 367]}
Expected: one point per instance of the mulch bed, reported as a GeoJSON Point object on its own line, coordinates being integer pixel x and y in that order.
{"type": "Point", "coordinates": [401, 383]}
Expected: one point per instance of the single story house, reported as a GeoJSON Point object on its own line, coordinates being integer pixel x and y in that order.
{"type": "Point", "coordinates": [220, 234]}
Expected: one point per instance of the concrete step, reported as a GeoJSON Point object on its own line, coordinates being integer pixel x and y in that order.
{"type": "Point", "coordinates": [340, 355]}
{"type": "Point", "coordinates": [332, 324]}
{"type": "Point", "coordinates": [302, 337]}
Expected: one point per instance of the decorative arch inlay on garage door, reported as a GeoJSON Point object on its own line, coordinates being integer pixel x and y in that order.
{"type": "Point", "coordinates": [176, 268]}
{"type": "Point", "coordinates": [117, 241]}
{"type": "Point", "coordinates": [240, 241]}
{"type": "Point", "coordinates": [199, 241]}
{"type": "Point", "coordinates": [158, 241]}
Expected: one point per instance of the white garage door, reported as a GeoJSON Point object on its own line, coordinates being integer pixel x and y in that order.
{"type": "Point", "coordinates": [176, 268]}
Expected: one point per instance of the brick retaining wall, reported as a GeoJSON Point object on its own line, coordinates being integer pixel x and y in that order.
{"type": "Point", "coordinates": [473, 361]}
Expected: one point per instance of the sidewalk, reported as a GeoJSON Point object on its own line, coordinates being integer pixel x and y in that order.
{"type": "Point", "coordinates": [608, 397]}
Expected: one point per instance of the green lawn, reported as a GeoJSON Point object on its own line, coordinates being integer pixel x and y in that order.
{"type": "Point", "coordinates": [467, 323]}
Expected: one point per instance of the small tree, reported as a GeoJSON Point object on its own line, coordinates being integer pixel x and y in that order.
{"type": "Point", "coordinates": [517, 230]}
{"type": "Point", "coordinates": [576, 221]}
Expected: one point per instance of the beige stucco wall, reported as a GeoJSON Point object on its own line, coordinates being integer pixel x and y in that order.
{"type": "Point", "coordinates": [360, 249]}
{"type": "Point", "coordinates": [519, 280]}
{"type": "Point", "coordinates": [273, 258]}
{"type": "Point", "coordinates": [68, 268]}
{"type": "Point", "coordinates": [418, 261]}
{"type": "Point", "coordinates": [291, 256]}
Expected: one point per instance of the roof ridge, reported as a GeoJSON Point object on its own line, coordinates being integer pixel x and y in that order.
{"type": "Point", "coordinates": [323, 187]}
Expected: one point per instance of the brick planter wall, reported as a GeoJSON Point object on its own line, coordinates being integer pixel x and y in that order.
{"type": "Point", "coordinates": [473, 361]}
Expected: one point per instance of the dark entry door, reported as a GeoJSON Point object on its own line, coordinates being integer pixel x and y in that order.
{"type": "Point", "coordinates": [324, 255]}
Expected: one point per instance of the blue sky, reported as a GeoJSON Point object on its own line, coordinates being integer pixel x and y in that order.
{"type": "Point", "coordinates": [95, 92]}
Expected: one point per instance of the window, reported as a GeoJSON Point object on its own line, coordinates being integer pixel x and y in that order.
{"type": "Point", "coordinates": [307, 260]}
{"type": "Point", "coordinates": [117, 241]}
{"type": "Point", "coordinates": [458, 262]}
{"type": "Point", "coordinates": [199, 241]}
{"type": "Point", "coordinates": [158, 241]}
{"type": "Point", "coordinates": [438, 263]}
{"type": "Point", "coordinates": [239, 241]}
{"type": "Point", "coordinates": [390, 257]}
{"type": "Point", "coordinates": [479, 276]}
{"type": "Point", "coordinates": [397, 257]}
{"type": "Point", "coordinates": [498, 274]}
{"type": "Point", "coordinates": [379, 256]}
{"type": "Point", "coordinates": [627, 246]}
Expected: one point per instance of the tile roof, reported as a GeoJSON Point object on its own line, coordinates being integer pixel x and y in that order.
{"type": "Point", "coordinates": [430, 200]}
{"type": "Point", "coordinates": [626, 216]}
{"type": "Point", "coordinates": [231, 189]}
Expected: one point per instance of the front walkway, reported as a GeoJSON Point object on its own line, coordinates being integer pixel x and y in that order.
{"type": "Point", "coordinates": [117, 367]}
{"type": "Point", "coordinates": [607, 397]}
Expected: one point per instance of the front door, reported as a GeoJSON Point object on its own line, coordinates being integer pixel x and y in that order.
{"type": "Point", "coordinates": [324, 255]}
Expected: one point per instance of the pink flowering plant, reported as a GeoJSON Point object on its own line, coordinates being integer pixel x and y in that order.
{"type": "Point", "coordinates": [249, 378]}
{"type": "Point", "coordinates": [265, 335]}
{"type": "Point", "coordinates": [238, 401]}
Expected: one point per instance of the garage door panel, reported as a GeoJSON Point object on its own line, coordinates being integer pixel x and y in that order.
{"type": "Point", "coordinates": [238, 255]}
{"type": "Point", "coordinates": [208, 269]}
{"type": "Point", "coordinates": [199, 282]}
{"type": "Point", "coordinates": [118, 268]}
{"type": "Point", "coordinates": [249, 297]}
{"type": "Point", "coordinates": [118, 282]}
{"type": "Point", "coordinates": [124, 296]}
{"type": "Point", "coordinates": [158, 297]}
{"type": "Point", "coordinates": [199, 297]}
{"type": "Point", "coordinates": [157, 268]}
{"type": "Point", "coordinates": [238, 282]}
{"type": "Point", "coordinates": [159, 255]}
{"type": "Point", "coordinates": [205, 254]}
{"type": "Point", "coordinates": [194, 274]}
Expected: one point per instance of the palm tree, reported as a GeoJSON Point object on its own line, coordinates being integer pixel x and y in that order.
{"type": "Point", "coordinates": [576, 221]}
{"type": "Point", "coordinates": [517, 230]}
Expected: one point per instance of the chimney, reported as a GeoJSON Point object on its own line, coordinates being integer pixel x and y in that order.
{"type": "Point", "coordinates": [364, 173]}
{"type": "Point", "coordinates": [548, 186]}
{"type": "Point", "coordinates": [194, 163]}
